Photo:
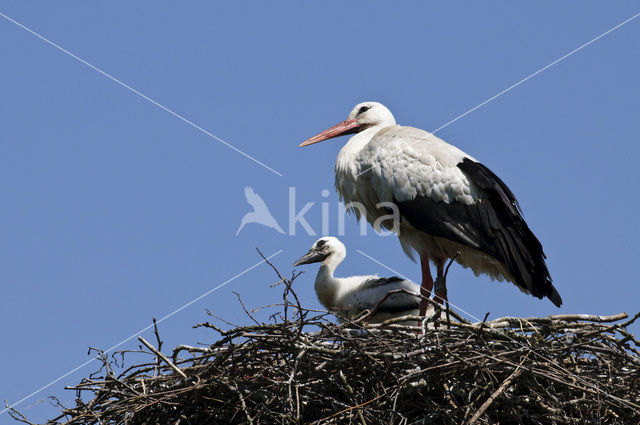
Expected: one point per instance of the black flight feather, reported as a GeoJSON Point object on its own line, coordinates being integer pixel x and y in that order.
{"type": "Point", "coordinates": [493, 225]}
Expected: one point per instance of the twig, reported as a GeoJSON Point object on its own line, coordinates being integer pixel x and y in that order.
{"type": "Point", "coordinates": [17, 415]}
{"type": "Point", "coordinates": [350, 391]}
{"type": "Point", "coordinates": [245, 309]}
{"type": "Point", "coordinates": [287, 291]}
{"type": "Point", "coordinates": [349, 408]}
{"type": "Point", "coordinates": [496, 394]}
{"type": "Point", "coordinates": [446, 296]}
{"type": "Point", "coordinates": [236, 390]}
{"type": "Point", "coordinates": [163, 357]}
{"type": "Point", "coordinates": [157, 334]}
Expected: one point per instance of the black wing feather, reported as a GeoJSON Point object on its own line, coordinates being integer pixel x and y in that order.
{"type": "Point", "coordinates": [396, 303]}
{"type": "Point", "coordinates": [381, 281]}
{"type": "Point", "coordinates": [493, 225]}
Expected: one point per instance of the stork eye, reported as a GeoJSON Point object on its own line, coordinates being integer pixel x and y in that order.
{"type": "Point", "coordinates": [320, 243]}
{"type": "Point", "coordinates": [363, 109]}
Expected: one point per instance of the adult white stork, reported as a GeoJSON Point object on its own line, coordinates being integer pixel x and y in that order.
{"type": "Point", "coordinates": [351, 296]}
{"type": "Point", "coordinates": [450, 205]}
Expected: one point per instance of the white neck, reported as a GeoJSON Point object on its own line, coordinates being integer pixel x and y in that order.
{"type": "Point", "coordinates": [347, 165]}
{"type": "Point", "coordinates": [327, 285]}
{"type": "Point", "coordinates": [357, 142]}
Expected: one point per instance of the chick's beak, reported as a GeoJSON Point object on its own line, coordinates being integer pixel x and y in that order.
{"type": "Point", "coordinates": [310, 257]}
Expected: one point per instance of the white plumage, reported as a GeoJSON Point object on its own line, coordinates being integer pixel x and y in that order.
{"type": "Point", "coordinates": [350, 296]}
{"type": "Point", "coordinates": [448, 204]}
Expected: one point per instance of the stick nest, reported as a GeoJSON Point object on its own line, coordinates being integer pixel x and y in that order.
{"type": "Point", "coordinates": [303, 368]}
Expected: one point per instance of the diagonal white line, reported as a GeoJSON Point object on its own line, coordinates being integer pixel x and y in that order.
{"type": "Point", "coordinates": [577, 49]}
{"type": "Point", "coordinates": [384, 265]}
{"type": "Point", "coordinates": [480, 105]}
{"type": "Point", "coordinates": [404, 277]}
{"type": "Point", "coordinates": [114, 79]}
{"type": "Point", "coordinates": [139, 332]}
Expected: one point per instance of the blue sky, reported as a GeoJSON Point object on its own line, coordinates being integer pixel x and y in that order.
{"type": "Point", "coordinates": [114, 211]}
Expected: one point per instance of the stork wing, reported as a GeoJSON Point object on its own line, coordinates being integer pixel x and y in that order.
{"type": "Point", "coordinates": [444, 192]}
{"type": "Point", "coordinates": [371, 291]}
{"type": "Point", "coordinates": [376, 282]}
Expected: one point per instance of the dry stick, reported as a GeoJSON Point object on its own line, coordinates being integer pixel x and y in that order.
{"type": "Point", "coordinates": [282, 279]}
{"type": "Point", "coordinates": [105, 362]}
{"type": "Point", "coordinates": [564, 317]}
{"type": "Point", "coordinates": [163, 400]}
{"type": "Point", "coordinates": [297, 403]}
{"type": "Point", "coordinates": [629, 337]}
{"type": "Point", "coordinates": [236, 390]}
{"type": "Point", "coordinates": [17, 416]}
{"type": "Point", "coordinates": [163, 357]}
{"type": "Point", "coordinates": [245, 309]}
{"type": "Point", "coordinates": [446, 296]}
{"type": "Point", "coordinates": [289, 288]}
{"type": "Point", "coordinates": [350, 391]}
{"type": "Point", "coordinates": [583, 317]}
{"type": "Point", "coordinates": [190, 349]}
{"type": "Point", "coordinates": [351, 408]}
{"type": "Point", "coordinates": [496, 393]}
{"type": "Point", "coordinates": [453, 313]}
{"type": "Point", "coordinates": [157, 334]}
{"type": "Point", "coordinates": [629, 322]}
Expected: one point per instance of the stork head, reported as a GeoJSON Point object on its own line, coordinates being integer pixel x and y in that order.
{"type": "Point", "coordinates": [364, 115]}
{"type": "Point", "coordinates": [322, 250]}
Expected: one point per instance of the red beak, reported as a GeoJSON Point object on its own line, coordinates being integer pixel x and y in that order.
{"type": "Point", "coordinates": [345, 127]}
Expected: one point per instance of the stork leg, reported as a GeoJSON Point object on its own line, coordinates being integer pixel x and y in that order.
{"type": "Point", "coordinates": [427, 283]}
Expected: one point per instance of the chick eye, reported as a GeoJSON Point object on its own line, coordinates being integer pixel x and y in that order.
{"type": "Point", "coordinates": [320, 243]}
{"type": "Point", "coordinates": [363, 109]}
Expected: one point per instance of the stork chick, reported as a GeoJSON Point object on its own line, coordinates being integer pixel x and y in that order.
{"type": "Point", "coordinates": [351, 296]}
